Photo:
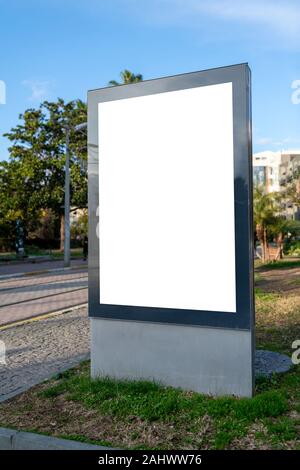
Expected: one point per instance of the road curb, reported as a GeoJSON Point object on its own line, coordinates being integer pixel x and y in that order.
{"type": "Point", "coordinates": [3, 277]}
{"type": "Point", "coordinates": [11, 439]}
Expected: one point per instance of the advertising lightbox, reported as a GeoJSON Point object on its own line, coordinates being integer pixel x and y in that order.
{"type": "Point", "coordinates": [170, 200]}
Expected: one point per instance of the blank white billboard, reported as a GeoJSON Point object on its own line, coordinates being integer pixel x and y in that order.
{"type": "Point", "coordinates": [166, 200]}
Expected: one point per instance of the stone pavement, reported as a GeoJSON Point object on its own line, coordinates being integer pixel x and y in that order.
{"type": "Point", "coordinates": [37, 350]}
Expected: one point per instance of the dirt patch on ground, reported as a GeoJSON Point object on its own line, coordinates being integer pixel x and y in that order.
{"type": "Point", "coordinates": [278, 308]}
{"type": "Point", "coordinates": [280, 280]}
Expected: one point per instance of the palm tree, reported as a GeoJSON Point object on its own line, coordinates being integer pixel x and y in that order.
{"type": "Point", "coordinates": [127, 77]}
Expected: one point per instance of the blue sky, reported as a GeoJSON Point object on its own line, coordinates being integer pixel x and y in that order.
{"type": "Point", "coordinates": [62, 48]}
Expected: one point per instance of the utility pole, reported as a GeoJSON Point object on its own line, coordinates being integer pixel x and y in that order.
{"type": "Point", "coordinates": [67, 256]}
{"type": "Point", "coordinates": [67, 202]}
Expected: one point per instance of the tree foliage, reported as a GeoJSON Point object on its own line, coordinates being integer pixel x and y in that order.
{"type": "Point", "coordinates": [269, 221]}
{"type": "Point", "coordinates": [126, 78]}
{"type": "Point", "coordinates": [32, 180]}
{"type": "Point", "coordinates": [33, 177]}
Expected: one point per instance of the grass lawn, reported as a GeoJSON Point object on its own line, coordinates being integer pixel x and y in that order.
{"type": "Point", "coordinates": [75, 253]}
{"type": "Point", "coordinates": [145, 415]}
{"type": "Point", "coordinates": [285, 263]}
{"type": "Point", "coordinates": [52, 254]}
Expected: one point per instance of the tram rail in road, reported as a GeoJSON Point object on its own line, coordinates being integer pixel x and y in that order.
{"type": "Point", "coordinates": [26, 297]}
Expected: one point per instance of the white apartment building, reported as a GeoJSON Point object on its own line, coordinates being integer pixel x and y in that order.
{"type": "Point", "coordinates": [266, 170]}
{"type": "Point", "coordinates": [277, 171]}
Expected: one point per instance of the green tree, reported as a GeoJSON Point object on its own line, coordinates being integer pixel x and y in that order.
{"type": "Point", "coordinates": [266, 212]}
{"type": "Point", "coordinates": [33, 178]}
{"type": "Point", "coordinates": [19, 197]}
{"type": "Point", "coordinates": [270, 223]}
{"type": "Point", "coordinates": [79, 228]}
{"type": "Point", "coordinates": [291, 194]}
{"type": "Point", "coordinates": [126, 78]}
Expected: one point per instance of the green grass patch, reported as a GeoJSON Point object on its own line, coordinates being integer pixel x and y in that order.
{"type": "Point", "coordinates": [35, 251]}
{"type": "Point", "coordinates": [283, 429]}
{"type": "Point", "coordinates": [151, 402]}
{"type": "Point", "coordinates": [75, 253]}
{"type": "Point", "coordinates": [181, 419]}
{"type": "Point", "coordinates": [281, 264]}
{"type": "Point", "coordinates": [266, 296]}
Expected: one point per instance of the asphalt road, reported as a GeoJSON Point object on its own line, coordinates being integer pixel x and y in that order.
{"type": "Point", "coordinates": [29, 296]}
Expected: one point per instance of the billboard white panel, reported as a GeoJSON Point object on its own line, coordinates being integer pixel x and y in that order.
{"type": "Point", "coordinates": [166, 200]}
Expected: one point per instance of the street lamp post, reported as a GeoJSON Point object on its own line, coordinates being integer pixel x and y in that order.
{"type": "Point", "coordinates": [67, 202]}
{"type": "Point", "coordinates": [67, 256]}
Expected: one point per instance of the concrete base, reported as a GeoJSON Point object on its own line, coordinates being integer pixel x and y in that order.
{"type": "Point", "coordinates": [207, 360]}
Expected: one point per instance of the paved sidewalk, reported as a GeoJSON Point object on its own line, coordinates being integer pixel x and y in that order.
{"type": "Point", "coordinates": [8, 269]}
{"type": "Point", "coordinates": [38, 350]}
